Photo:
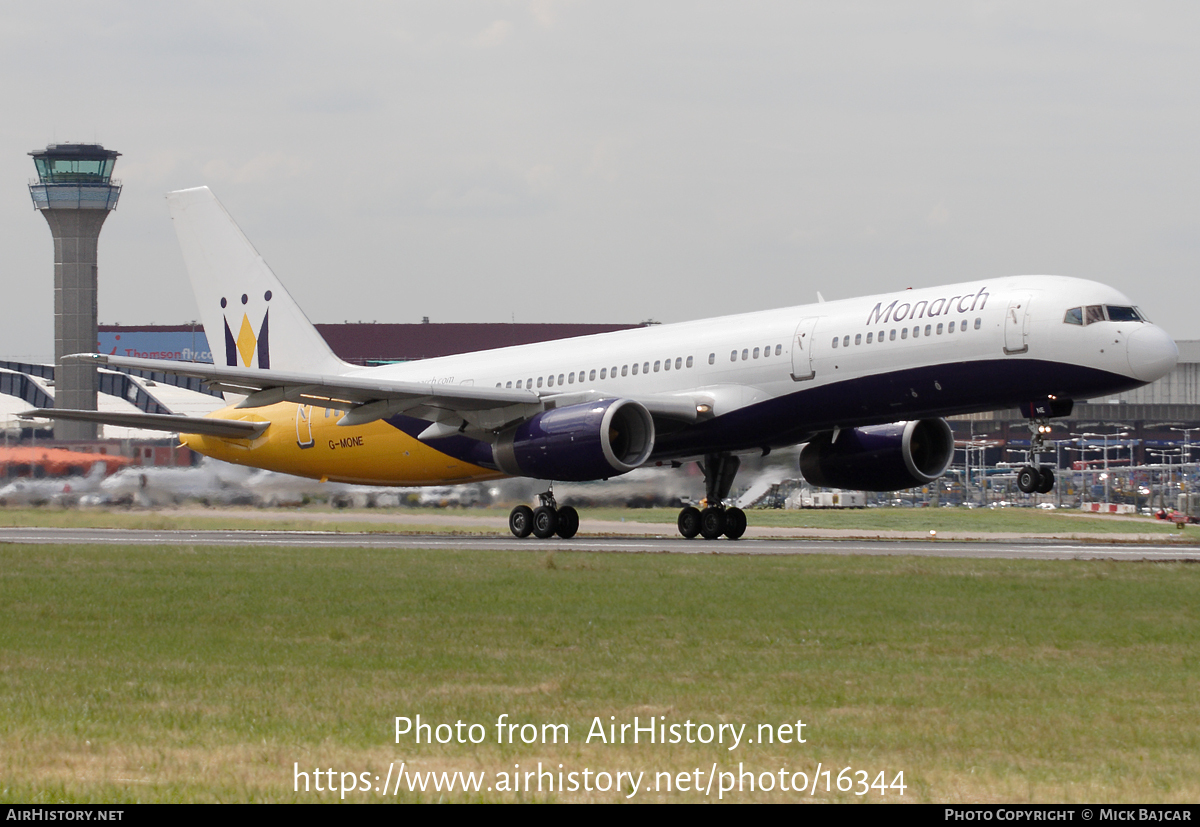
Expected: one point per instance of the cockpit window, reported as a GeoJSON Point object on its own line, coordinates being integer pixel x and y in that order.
{"type": "Point", "coordinates": [1117, 313]}
{"type": "Point", "coordinates": [1095, 313]}
{"type": "Point", "coordinates": [1074, 316]}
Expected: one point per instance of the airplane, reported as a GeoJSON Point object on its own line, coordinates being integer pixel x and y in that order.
{"type": "Point", "coordinates": [864, 383]}
{"type": "Point", "coordinates": [53, 490]}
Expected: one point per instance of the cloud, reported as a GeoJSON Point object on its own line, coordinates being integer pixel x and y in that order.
{"type": "Point", "coordinates": [262, 168]}
{"type": "Point", "coordinates": [494, 35]}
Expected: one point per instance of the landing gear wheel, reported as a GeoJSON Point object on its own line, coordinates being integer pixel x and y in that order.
{"type": "Point", "coordinates": [735, 523]}
{"type": "Point", "coordinates": [1046, 482]}
{"type": "Point", "coordinates": [712, 523]}
{"type": "Point", "coordinates": [545, 522]}
{"type": "Point", "coordinates": [520, 521]}
{"type": "Point", "coordinates": [1028, 479]}
{"type": "Point", "coordinates": [689, 522]}
{"type": "Point", "coordinates": [568, 522]}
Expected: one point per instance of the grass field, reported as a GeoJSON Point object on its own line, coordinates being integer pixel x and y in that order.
{"type": "Point", "coordinates": [980, 520]}
{"type": "Point", "coordinates": [201, 674]}
{"type": "Point", "coordinates": [970, 521]}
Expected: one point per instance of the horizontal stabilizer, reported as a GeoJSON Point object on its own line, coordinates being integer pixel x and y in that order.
{"type": "Point", "coordinates": [227, 428]}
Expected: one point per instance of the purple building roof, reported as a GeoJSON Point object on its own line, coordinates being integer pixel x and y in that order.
{"type": "Point", "coordinates": [365, 344]}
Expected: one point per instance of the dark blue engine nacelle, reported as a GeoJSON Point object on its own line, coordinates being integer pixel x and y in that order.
{"type": "Point", "coordinates": [591, 441]}
{"type": "Point", "coordinates": [881, 457]}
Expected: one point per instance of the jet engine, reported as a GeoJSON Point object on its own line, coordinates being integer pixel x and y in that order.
{"type": "Point", "coordinates": [880, 457]}
{"type": "Point", "coordinates": [590, 441]}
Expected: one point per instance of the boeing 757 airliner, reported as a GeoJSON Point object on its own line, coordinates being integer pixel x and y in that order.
{"type": "Point", "coordinates": [865, 383]}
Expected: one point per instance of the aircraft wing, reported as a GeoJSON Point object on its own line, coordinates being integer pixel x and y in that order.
{"type": "Point", "coordinates": [266, 387]}
{"type": "Point", "coordinates": [366, 398]}
{"type": "Point", "coordinates": [228, 428]}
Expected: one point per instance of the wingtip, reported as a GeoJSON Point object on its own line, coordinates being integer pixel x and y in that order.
{"type": "Point", "coordinates": [99, 358]}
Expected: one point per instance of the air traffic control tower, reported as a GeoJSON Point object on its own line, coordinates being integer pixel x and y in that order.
{"type": "Point", "coordinates": [75, 192]}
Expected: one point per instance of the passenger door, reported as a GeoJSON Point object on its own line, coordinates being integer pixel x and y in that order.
{"type": "Point", "coordinates": [1016, 325]}
{"type": "Point", "coordinates": [803, 366]}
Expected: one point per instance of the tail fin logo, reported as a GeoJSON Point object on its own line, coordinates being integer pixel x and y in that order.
{"type": "Point", "coordinates": [240, 350]}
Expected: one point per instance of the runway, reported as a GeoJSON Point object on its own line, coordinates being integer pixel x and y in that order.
{"type": "Point", "coordinates": [1031, 549]}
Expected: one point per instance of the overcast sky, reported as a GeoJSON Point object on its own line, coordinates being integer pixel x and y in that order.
{"type": "Point", "coordinates": [611, 162]}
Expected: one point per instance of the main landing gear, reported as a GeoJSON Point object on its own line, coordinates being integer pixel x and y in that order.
{"type": "Point", "coordinates": [715, 520]}
{"type": "Point", "coordinates": [544, 521]}
{"type": "Point", "coordinates": [1039, 479]}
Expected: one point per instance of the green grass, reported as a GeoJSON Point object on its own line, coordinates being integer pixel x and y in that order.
{"type": "Point", "coordinates": [862, 521]}
{"type": "Point", "coordinates": [202, 674]}
{"type": "Point", "coordinates": [980, 520]}
{"type": "Point", "coordinates": [282, 520]}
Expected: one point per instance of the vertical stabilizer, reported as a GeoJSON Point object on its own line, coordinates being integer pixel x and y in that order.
{"type": "Point", "coordinates": [250, 319]}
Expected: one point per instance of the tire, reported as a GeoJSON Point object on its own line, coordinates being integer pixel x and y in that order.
{"type": "Point", "coordinates": [712, 523]}
{"type": "Point", "coordinates": [735, 523]}
{"type": "Point", "coordinates": [689, 522]}
{"type": "Point", "coordinates": [1028, 479]}
{"type": "Point", "coordinates": [520, 521]}
{"type": "Point", "coordinates": [1046, 480]}
{"type": "Point", "coordinates": [568, 522]}
{"type": "Point", "coordinates": [545, 522]}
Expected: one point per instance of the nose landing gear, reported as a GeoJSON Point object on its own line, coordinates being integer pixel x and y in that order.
{"type": "Point", "coordinates": [1039, 479]}
{"type": "Point", "coordinates": [545, 521]}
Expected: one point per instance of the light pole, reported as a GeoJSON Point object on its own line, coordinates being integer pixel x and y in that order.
{"type": "Point", "coordinates": [1105, 437]}
{"type": "Point", "coordinates": [1185, 459]}
{"type": "Point", "coordinates": [1164, 457]}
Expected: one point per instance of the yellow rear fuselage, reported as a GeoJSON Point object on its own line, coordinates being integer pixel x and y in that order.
{"type": "Point", "coordinates": [306, 440]}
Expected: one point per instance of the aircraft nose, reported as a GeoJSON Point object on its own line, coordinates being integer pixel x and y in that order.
{"type": "Point", "coordinates": [1152, 353]}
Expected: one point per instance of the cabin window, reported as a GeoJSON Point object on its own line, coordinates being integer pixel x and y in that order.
{"type": "Point", "coordinates": [928, 329]}
{"type": "Point", "coordinates": [645, 367]}
{"type": "Point", "coordinates": [666, 364]}
{"type": "Point", "coordinates": [756, 352]}
{"type": "Point", "coordinates": [962, 327]}
{"type": "Point", "coordinates": [733, 356]}
{"type": "Point", "coordinates": [624, 370]}
{"type": "Point", "coordinates": [951, 328]}
{"type": "Point", "coordinates": [836, 340]}
{"type": "Point", "coordinates": [550, 381]}
{"type": "Point", "coordinates": [939, 329]}
{"type": "Point", "coordinates": [892, 335]}
{"type": "Point", "coordinates": [1117, 313]}
{"type": "Point", "coordinates": [518, 383]}
{"type": "Point", "coordinates": [778, 349]}
{"type": "Point", "coordinates": [592, 375]}
{"type": "Point", "coordinates": [603, 372]}
{"type": "Point", "coordinates": [635, 369]}
{"type": "Point", "coordinates": [1074, 316]}
{"type": "Point", "coordinates": [499, 384]}
{"type": "Point", "coordinates": [745, 353]}
{"type": "Point", "coordinates": [712, 358]}
{"type": "Point", "coordinates": [528, 383]}
{"type": "Point", "coordinates": [508, 384]}
{"type": "Point", "coordinates": [571, 378]}
{"type": "Point", "coordinates": [904, 333]}
{"type": "Point", "coordinates": [858, 338]}
{"type": "Point", "coordinates": [657, 364]}
{"type": "Point", "coordinates": [870, 336]}
{"type": "Point", "coordinates": [539, 381]}
{"type": "Point", "coordinates": [560, 378]}
{"type": "Point", "coordinates": [978, 322]}
{"type": "Point", "coordinates": [846, 342]}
